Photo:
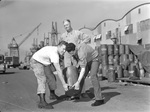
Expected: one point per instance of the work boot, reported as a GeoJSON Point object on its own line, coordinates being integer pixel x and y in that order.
{"type": "Point", "coordinates": [97, 103]}
{"type": "Point", "coordinates": [53, 96]}
{"type": "Point", "coordinates": [43, 104]}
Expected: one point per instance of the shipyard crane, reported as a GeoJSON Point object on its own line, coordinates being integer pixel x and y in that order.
{"type": "Point", "coordinates": [14, 49]}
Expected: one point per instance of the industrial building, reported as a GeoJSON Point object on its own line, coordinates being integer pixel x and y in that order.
{"type": "Point", "coordinates": [130, 28]}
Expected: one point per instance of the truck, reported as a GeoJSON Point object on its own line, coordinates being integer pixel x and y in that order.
{"type": "Point", "coordinates": [12, 61]}
{"type": "Point", "coordinates": [2, 64]}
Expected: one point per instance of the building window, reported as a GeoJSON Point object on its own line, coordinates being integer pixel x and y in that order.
{"type": "Point", "coordinates": [128, 29]}
{"type": "Point", "coordinates": [97, 37]}
{"type": "Point", "coordinates": [117, 32]}
{"type": "Point", "coordinates": [108, 34]}
{"type": "Point", "coordinates": [139, 11]}
{"type": "Point", "coordinates": [145, 25]}
{"type": "Point", "coordinates": [139, 42]}
{"type": "Point", "coordinates": [104, 24]}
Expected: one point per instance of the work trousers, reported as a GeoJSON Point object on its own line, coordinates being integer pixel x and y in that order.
{"type": "Point", "coordinates": [43, 74]}
{"type": "Point", "coordinates": [93, 66]}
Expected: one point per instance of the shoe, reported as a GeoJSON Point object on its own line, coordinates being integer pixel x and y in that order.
{"type": "Point", "coordinates": [54, 97]}
{"type": "Point", "coordinates": [97, 103]}
{"type": "Point", "coordinates": [45, 105]}
{"type": "Point", "coordinates": [84, 95]}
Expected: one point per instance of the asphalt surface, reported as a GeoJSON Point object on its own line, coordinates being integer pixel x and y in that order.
{"type": "Point", "coordinates": [18, 94]}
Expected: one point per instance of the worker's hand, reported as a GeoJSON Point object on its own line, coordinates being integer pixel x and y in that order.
{"type": "Point", "coordinates": [76, 85]}
{"type": "Point", "coordinates": [65, 86]}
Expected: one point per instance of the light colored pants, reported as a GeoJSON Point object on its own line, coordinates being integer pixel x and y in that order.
{"type": "Point", "coordinates": [42, 76]}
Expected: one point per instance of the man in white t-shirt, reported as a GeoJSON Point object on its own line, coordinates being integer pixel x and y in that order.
{"type": "Point", "coordinates": [44, 57]}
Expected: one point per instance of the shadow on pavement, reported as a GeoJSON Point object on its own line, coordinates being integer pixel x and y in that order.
{"type": "Point", "coordinates": [91, 90]}
{"type": "Point", "coordinates": [104, 88]}
{"type": "Point", "coordinates": [7, 73]}
{"type": "Point", "coordinates": [107, 96]}
{"type": "Point", "coordinates": [61, 99]}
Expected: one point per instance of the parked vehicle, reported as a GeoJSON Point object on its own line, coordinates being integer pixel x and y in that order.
{"type": "Point", "coordinates": [24, 66]}
{"type": "Point", "coordinates": [12, 61]}
{"type": "Point", "coordinates": [2, 64]}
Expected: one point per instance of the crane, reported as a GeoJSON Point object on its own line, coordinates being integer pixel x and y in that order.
{"type": "Point", "coordinates": [14, 48]}
{"type": "Point", "coordinates": [28, 35]}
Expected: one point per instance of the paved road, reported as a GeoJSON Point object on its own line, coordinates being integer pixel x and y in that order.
{"type": "Point", "coordinates": [18, 94]}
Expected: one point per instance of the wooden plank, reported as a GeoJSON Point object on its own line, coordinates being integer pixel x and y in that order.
{"type": "Point", "coordinates": [142, 81]}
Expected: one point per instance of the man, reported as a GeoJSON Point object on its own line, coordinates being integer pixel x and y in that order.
{"type": "Point", "coordinates": [89, 60]}
{"type": "Point", "coordinates": [76, 37]}
{"type": "Point", "coordinates": [44, 57]}
{"type": "Point", "coordinates": [51, 80]}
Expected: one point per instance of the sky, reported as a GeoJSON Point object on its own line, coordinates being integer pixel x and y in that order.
{"type": "Point", "coordinates": [22, 16]}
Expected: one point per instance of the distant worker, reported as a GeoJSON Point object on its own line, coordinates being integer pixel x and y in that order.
{"type": "Point", "coordinates": [72, 36]}
{"type": "Point", "coordinates": [44, 57]}
{"type": "Point", "coordinates": [89, 61]}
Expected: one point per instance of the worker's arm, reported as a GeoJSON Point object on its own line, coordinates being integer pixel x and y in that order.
{"type": "Point", "coordinates": [61, 76]}
{"type": "Point", "coordinates": [77, 84]}
{"type": "Point", "coordinates": [82, 62]}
